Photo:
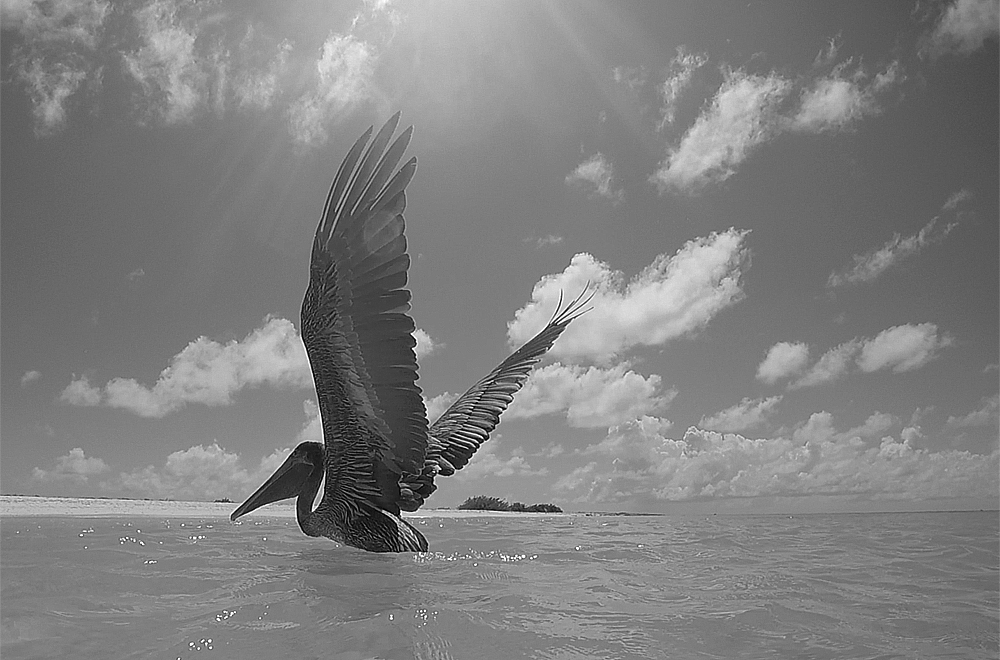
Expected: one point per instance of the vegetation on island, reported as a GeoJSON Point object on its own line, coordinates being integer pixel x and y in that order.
{"type": "Point", "coordinates": [487, 503]}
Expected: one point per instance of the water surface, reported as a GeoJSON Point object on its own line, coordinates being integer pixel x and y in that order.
{"type": "Point", "coordinates": [839, 586]}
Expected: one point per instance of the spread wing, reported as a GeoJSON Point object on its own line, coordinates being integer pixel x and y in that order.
{"type": "Point", "coordinates": [354, 319]}
{"type": "Point", "coordinates": [467, 424]}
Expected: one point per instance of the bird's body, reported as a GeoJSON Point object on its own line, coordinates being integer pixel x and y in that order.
{"type": "Point", "coordinates": [378, 455]}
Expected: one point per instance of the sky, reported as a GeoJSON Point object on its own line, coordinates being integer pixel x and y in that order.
{"type": "Point", "coordinates": [788, 212]}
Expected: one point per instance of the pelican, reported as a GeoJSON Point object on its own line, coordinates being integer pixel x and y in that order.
{"type": "Point", "coordinates": [378, 455]}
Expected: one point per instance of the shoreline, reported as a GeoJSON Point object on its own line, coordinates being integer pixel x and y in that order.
{"type": "Point", "coordinates": [19, 506]}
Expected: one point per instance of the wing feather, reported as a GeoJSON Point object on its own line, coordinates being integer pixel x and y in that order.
{"type": "Point", "coordinates": [466, 425]}
{"type": "Point", "coordinates": [355, 325]}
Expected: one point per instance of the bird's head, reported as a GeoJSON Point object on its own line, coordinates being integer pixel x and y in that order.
{"type": "Point", "coordinates": [288, 480]}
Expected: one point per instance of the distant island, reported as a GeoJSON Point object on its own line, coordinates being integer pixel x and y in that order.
{"type": "Point", "coordinates": [486, 503]}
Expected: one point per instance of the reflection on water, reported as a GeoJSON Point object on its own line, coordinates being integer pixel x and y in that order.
{"type": "Point", "coordinates": [846, 586]}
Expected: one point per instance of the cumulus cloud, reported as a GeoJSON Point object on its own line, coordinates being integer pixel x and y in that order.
{"type": "Point", "coordinates": [843, 97]}
{"type": "Point", "coordinates": [200, 474]}
{"type": "Point", "coordinates": [964, 27]}
{"type": "Point", "coordinates": [900, 348]}
{"type": "Point", "coordinates": [673, 296]}
{"type": "Point", "coordinates": [636, 462]}
{"type": "Point", "coordinates": [832, 365]}
{"type": "Point", "coordinates": [679, 74]}
{"type": "Point", "coordinates": [903, 348]}
{"type": "Point", "coordinates": [746, 414]}
{"type": "Point", "coordinates": [486, 463]}
{"type": "Point", "coordinates": [74, 466]}
{"type": "Point", "coordinates": [988, 414]}
{"type": "Point", "coordinates": [207, 372]}
{"type": "Point", "coordinates": [742, 116]}
{"type": "Point", "coordinates": [30, 377]}
{"type": "Point", "coordinates": [425, 344]}
{"type": "Point", "coordinates": [748, 110]}
{"type": "Point", "coordinates": [784, 359]}
{"type": "Point", "coordinates": [80, 392]}
{"type": "Point", "coordinates": [870, 265]}
{"type": "Point", "coordinates": [590, 397]}
{"type": "Point", "coordinates": [312, 428]}
{"type": "Point", "coordinates": [344, 72]}
{"type": "Point", "coordinates": [596, 176]}
{"type": "Point", "coordinates": [438, 404]}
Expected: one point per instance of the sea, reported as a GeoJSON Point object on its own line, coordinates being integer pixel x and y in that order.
{"type": "Point", "coordinates": [900, 585]}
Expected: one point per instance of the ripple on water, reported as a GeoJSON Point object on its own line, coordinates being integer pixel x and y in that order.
{"type": "Point", "coordinates": [593, 587]}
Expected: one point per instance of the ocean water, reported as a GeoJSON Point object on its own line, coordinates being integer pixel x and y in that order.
{"type": "Point", "coordinates": [821, 586]}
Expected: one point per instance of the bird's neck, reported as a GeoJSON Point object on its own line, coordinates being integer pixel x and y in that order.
{"type": "Point", "coordinates": [304, 502]}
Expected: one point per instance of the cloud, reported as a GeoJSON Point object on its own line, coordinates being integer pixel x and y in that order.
{"type": "Point", "coordinates": [485, 463]}
{"type": "Point", "coordinates": [184, 64]}
{"type": "Point", "coordinates": [80, 392]}
{"type": "Point", "coordinates": [679, 75]}
{"type": "Point", "coordinates": [903, 348]}
{"type": "Point", "coordinates": [957, 199]}
{"type": "Point", "coordinates": [312, 429]}
{"type": "Point", "coordinates": [56, 56]}
{"type": "Point", "coordinates": [199, 474]}
{"type": "Point", "coordinates": [742, 116]}
{"type": "Point", "coordinates": [30, 377]}
{"type": "Point", "coordinates": [344, 69]}
{"type": "Point", "coordinates": [590, 397]}
{"type": "Point", "coordinates": [173, 76]}
{"type": "Point", "coordinates": [178, 59]}
{"type": "Point", "coordinates": [900, 348]}
{"type": "Point", "coordinates": [748, 110]}
{"type": "Point", "coordinates": [869, 266]}
{"type": "Point", "coordinates": [842, 98]}
{"type": "Point", "coordinates": [596, 176]}
{"type": "Point", "coordinates": [988, 414]}
{"type": "Point", "coordinates": [784, 359]}
{"type": "Point", "coordinates": [425, 345]}
{"type": "Point", "coordinates": [74, 21]}
{"type": "Point", "coordinates": [637, 463]}
{"type": "Point", "coordinates": [49, 86]}
{"type": "Point", "coordinates": [544, 241]}
{"type": "Point", "coordinates": [964, 27]}
{"type": "Point", "coordinates": [874, 427]}
{"type": "Point", "coordinates": [258, 68]}
{"type": "Point", "coordinates": [673, 296]}
{"type": "Point", "coordinates": [832, 365]}
{"type": "Point", "coordinates": [747, 414]}
{"type": "Point", "coordinates": [437, 405]}
{"type": "Point", "coordinates": [828, 55]}
{"type": "Point", "coordinates": [207, 372]}
{"type": "Point", "coordinates": [74, 466]}
{"type": "Point", "coordinates": [819, 428]}
{"type": "Point", "coordinates": [632, 78]}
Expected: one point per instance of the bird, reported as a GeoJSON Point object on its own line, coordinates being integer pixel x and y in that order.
{"type": "Point", "coordinates": [379, 456]}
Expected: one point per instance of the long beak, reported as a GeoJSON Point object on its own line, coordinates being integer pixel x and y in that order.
{"type": "Point", "coordinates": [287, 481]}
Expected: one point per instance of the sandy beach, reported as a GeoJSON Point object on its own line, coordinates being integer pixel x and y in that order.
{"type": "Point", "coordinates": [92, 507]}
